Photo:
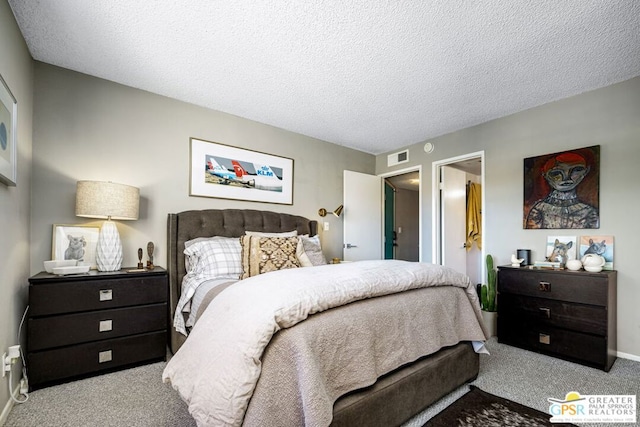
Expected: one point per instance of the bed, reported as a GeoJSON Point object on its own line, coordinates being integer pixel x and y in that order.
{"type": "Point", "coordinates": [290, 366]}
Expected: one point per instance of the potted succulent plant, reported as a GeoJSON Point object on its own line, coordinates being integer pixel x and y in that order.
{"type": "Point", "coordinates": [488, 299]}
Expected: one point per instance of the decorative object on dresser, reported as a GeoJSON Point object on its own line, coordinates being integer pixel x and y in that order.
{"type": "Point", "coordinates": [227, 172]}
{"type": "Point", "coordinates": [150, 249]}
{"type": "Point", "coordinates": [75, 243]}
{"type": "Point", "coordinates": [107, 200]}
{"type": "Point", "coordinates": [561, 313]}
{"type": "Point", "coordinates": [85, 324]}
{"type": "Point", "coordinates": [8, 128]}
{"type": "Point", "coordinates": [598, 245]}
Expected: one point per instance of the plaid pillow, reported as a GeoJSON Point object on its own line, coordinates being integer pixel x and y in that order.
{"type": "Point", "coordinates": [214, 257]}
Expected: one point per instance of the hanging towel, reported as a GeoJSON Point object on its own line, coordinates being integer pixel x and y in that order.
{"type": "Point", "coordinates": [474, 216]}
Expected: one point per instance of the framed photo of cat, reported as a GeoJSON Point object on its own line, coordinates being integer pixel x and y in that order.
{"type": "Point", "coordinates": [599, 245]}
{"type": "Point", "coordinates": [75, 242]}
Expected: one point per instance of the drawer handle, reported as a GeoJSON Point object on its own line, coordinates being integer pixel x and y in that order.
{"type": "Point", "coordinates": [105, 356]}
{"type": "Point", "coordinates": [105, 325]}
{"type": "Point", "coordinates": [546, 311]}
{"type": "Point", "coordinates": [544, 286]}
{"type": "Point", "coordinates": [544, 339]}
{"type": "Point", "coordinates": [106, 294]}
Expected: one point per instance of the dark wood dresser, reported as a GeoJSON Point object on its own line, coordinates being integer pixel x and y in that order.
{"type": "Point", "coordinates": [80, 325]}
{"type": "Point", "coordinates": [566, 314]}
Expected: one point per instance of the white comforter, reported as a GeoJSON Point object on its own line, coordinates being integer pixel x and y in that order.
{"type": "Point", "coordinates": [217, 368]}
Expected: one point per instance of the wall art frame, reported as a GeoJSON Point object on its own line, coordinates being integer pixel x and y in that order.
{"type": "Point", "coordinates": [562, 190]}
{"type": "Point", "coordinates": [75, 241]}
{"type": "Point", "coordinates": [8, 135]}
{"type": "Point", "coordinates": [227, 172]}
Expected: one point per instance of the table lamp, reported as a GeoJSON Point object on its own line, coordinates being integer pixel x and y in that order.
{"type": "Point", "coordinates": [107, 200]}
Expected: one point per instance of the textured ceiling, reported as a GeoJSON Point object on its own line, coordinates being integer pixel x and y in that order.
{"type": "Point", "coordinates": [371, 75]}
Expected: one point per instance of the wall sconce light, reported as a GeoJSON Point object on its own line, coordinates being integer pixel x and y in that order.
{"type": "Point", "coordinates": [107, 200]}
{"type": "Point", "coordinates": [323, 212]}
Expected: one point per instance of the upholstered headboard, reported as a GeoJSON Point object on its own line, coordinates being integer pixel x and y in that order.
{"type": "Point", "coordinates": [188, 225]}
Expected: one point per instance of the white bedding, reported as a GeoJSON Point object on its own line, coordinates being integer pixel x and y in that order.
{"type": "Point", "coordinates": [217, 368]}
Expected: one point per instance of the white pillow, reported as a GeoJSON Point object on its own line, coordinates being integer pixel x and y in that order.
{"type": "Point", "coordinates": [218, 257]}
{"type": "Point", "coordinates": [309, 251]}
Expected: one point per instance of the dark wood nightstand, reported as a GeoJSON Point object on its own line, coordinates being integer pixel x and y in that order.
{"type": "Point", "coordinates": [81, 325]}
{"type": "Point", "coordinates": [562, 313]}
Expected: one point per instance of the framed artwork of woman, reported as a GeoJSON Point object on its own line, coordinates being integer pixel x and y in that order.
{"type": "Point", "coordinates": [562, 190]}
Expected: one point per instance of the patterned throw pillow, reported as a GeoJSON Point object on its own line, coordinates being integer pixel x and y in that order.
{"type": "Point", "coordinates": [264, 254]}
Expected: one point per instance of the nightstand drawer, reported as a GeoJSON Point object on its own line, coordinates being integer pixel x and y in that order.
{"type": "Point", "coordinates": [517, 309]}
{"type": "Point", "coordinates": [67, 362]}
{"type": "Point", "coordinates": [564, 286]}
{"type": "Point", "coordinates": [85, 295]}
{"type": "Point", "coordinates": [63, 330]}
{"type": "Point", "coordinates": [575, 346]}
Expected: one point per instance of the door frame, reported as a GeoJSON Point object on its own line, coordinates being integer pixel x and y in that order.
{"type": "Point", "coordinates": [436, 223]}
{"type": "Point", "coordinates": [417, 168]}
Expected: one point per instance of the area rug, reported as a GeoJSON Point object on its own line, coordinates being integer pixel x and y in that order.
{"type": "Point", "coordinates": [479, 408]}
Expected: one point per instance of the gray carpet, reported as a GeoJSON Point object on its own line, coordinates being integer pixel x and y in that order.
{"type": "Point", "coordinates": [137, 397]}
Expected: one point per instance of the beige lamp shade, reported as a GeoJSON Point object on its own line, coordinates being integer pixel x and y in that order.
{"type": "Point", "coordinates": [107, 200]}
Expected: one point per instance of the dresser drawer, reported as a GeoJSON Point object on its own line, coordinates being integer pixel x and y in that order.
{"type": "Point", "coordinates": [563, 286]}
{"type": "Point", "coordinates": [85, 295]}
{"type": "Point", "coordinates": [66, 362]}
{"type": "Point", "coordinates": [576, 346]}
{"type": "Point", "coordinates": [63, 330]}
{"type": "Point", "coordinates": [519, 309]}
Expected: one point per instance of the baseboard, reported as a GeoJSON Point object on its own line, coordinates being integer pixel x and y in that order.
{"type": "Point", "coordinates": [629, 356]}
{"type": "Point", "coordinates": [8, 407]}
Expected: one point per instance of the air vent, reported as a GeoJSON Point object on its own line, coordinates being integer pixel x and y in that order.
{"type": "Point", "coordinates": [398, 158]}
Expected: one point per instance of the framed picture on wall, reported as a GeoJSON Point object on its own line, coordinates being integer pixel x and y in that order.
{"type": "Point", "coordinates": [227, 172]}
{"type": "Point", "coordinates": [75, 242]}
{"type": "Point", "coordinates": [562, 190]}
{"type": "Point", "coordinates": [8, 127]}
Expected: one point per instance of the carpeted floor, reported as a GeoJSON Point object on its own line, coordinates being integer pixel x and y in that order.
{"type": "Point", "coordinates": [137, 397]}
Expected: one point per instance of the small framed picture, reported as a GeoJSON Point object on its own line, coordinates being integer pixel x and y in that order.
{"type": "Point", "coordinates": [561, 248]}
{"type": "Point", "coordinates": [75, 242]}
{"type": "Point", "coordinates": [599, 245]}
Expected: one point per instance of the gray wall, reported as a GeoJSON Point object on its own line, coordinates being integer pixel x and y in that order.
{"type": "Point", "coordinates": [16, 68]}
{"type": "Point", "coordinates": [93, 129]}
{"type": "Point", "coordinates": [609, 117]}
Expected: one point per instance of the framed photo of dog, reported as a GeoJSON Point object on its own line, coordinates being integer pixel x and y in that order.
{"type": "Point", "coordinates": [75, 242]}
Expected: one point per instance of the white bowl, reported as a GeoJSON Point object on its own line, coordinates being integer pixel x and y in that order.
{"type": "Point", "coordinates": [593, 269]}
{"type": "Point", "coordinates": [574, 264]}
{"type": "Point", "coordinates": [50, 265]}
{"type": "Point", "coordinates": [71, 269]}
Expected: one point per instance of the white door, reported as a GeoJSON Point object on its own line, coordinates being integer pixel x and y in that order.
{"type": "Point", "coordinates": [454, 208]}
{"type": "Point", "coordinates": [362, 216]}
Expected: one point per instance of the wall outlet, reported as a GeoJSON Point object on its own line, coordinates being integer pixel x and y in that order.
{"type": "Point", "coordinates": [326, 226]}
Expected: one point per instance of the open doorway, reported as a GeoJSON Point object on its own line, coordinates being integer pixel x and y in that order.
{"type": "Point", "coordinates": [402, 215]}
{"type": "Point", "coordinates": [452, 179]}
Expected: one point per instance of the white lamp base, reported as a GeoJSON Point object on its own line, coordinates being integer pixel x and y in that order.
{"type": "Point", "coordinates": [109, 249]}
